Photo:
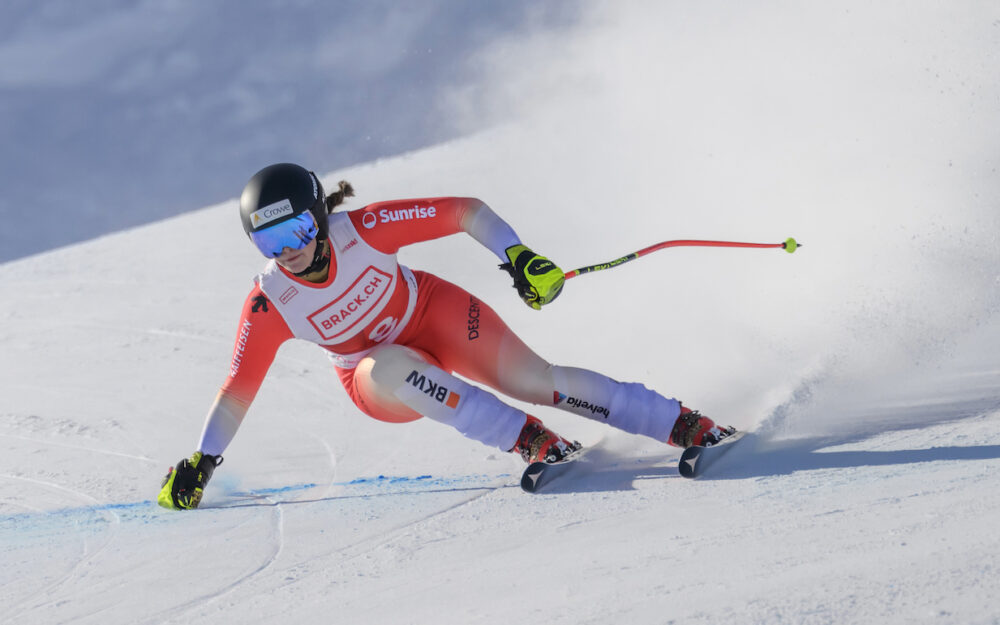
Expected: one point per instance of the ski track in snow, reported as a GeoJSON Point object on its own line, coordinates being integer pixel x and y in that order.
{"type": "Point", "coordinates": [276, 540]}
{"type": "Point", "coordinates": [14, 613]}
{"type": "Point", "coordinates": [106, 452]}
{"type": "Point", "coordinates": [343, 556]}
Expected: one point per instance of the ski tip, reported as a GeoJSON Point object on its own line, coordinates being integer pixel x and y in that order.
{"type": "Point", "coordinates": [537, 474]}
{"type": "Point", "coordinates": [532, 476]}
{"type": "Point", "coordinates": [694, 460]}
{"type": "Point", "coordinates": [689, 463]}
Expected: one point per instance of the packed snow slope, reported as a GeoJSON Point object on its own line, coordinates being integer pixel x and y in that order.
{"type": "Point", "coordinates": [865, 364]}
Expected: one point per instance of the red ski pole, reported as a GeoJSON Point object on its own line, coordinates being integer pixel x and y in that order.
{"type": "Point", "coordinates": [790, 245]}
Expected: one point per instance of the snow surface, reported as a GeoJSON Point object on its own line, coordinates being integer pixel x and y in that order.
{"type": "Point", "coordinates": [865, 364]}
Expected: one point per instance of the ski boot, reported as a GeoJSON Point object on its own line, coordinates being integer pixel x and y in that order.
{"type": "Point", "coordinates": [693, 428]}
{"type": "Point", "coordinates": [538, 443]}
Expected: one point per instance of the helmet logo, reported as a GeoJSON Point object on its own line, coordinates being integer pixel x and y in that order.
{"type": "Point", "coordinates": [270, 213]}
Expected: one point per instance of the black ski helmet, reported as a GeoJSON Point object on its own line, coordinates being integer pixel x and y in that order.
{"type": "Point", "coordinates": [283, 182]}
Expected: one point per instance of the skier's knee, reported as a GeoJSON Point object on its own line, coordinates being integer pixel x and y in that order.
{"type": "Point", "coordinates": [388, 365]}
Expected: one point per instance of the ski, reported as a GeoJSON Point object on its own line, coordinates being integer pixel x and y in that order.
{"type": "Point", "coordinates": [696, 459]}
{"type": "Point", "coordinates": [538, 474]}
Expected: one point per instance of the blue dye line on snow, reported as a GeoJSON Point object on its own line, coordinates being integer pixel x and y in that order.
{"type": "Point", "coordinates": [277, 490]}
{"type": "Point", "coordinates": [147, 510]}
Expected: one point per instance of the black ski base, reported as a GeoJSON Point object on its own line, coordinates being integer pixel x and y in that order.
{"type": "Point", "coordinates": [695, 460]}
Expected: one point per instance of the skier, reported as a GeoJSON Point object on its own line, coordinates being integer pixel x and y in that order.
{"type": "Point", "coordinates": [395, 335]}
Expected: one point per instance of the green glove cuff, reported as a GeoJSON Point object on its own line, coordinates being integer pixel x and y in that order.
{"type": "Point", "coordinates": [516, 250]}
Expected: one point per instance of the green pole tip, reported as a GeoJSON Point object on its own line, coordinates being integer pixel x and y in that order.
{"type": "Point", "coordinates": [791, 245]}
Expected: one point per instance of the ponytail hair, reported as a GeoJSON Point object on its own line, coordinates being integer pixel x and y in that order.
{"type": "Point", "coordinates": [344, 190]}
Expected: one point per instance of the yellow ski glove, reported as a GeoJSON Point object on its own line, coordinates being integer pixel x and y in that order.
{"type": "Point", "coordinates": [537, 279]}
{"type": "Point", "coordinates": [183, 487]}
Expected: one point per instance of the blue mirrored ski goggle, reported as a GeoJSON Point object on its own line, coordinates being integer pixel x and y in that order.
{"type": "Point", "coordinates": [294, 233]}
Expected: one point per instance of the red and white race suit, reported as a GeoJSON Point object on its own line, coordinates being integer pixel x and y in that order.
{"type": "Point", "coordinates": [396, 336]}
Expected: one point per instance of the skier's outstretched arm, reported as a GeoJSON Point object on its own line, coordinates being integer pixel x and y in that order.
{"type": "Point", "coordinates": [261, 332]}
{"type": "Point", "coordinates": [388, 226]}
